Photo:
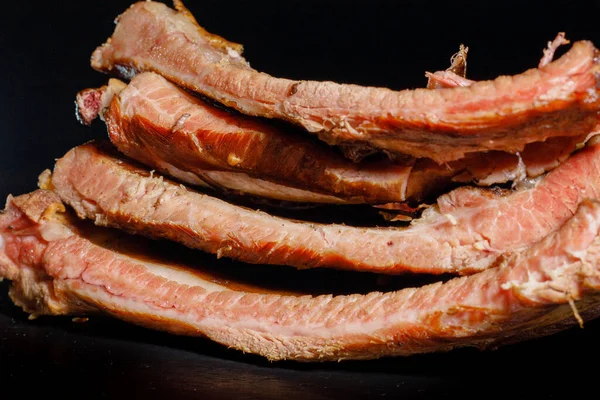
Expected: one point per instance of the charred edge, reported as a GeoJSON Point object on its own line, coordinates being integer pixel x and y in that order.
{"type": "Point", "coordinates": [293, 89]}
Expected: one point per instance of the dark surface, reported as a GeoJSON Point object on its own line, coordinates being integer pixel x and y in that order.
{"type": "Point", "coordinates": [46, 49]}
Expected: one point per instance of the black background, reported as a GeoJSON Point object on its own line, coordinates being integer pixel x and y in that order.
{"type": "Point", "coordinates": [46, 48]}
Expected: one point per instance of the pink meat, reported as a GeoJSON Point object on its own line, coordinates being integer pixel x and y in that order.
{"type": "Point", "coordinates": [160, 125]}
{"type": "Point", "coordinates": [57, 270]}
{"type": "Point", "coordinates": [466, 232]}
{"type": "Point", "coordinates": [157, 123]}
{"type": "Point", "coordinates": [505, 114]}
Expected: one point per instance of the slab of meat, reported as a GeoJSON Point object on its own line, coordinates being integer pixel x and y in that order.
{"type": "Point", "coordinates": [503, 114]}
{"type": "Point", "coordinates": [465, 232]}
{"type": "Point", "coordinates": [56, 269]}
{"type": "Point", "coordinates": [162, 126]}
{"type": "Point", "coordinates": [155, 122]}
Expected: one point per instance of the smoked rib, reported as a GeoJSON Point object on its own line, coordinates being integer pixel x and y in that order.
{"type": "Point", "coordinates": [466, 231]}
{"type": "Point", "coordinates": [160, 125]}
{"type": "Point", "coordinates": [56, 269]}
{"type": "Point", "coordinates": [503, 114]}
{"type": "Point", "coordinates": [156, 123]}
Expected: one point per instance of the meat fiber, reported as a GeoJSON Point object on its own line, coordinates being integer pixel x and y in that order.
{"type": "Point", "coordinates": [465, 232]}
{"type": "Point", "coordinates": [560, 98]}
{"type": "Point", "coordinates": [162, 126]}
{"type": "Point", "coordinates": [455, 75]}
{"type": "Point", "coordinates": [56, 269]}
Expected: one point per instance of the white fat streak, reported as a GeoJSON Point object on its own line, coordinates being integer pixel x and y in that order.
{"type": "Point", "coordinates": [241, 323]}
{"type": "Point", "coordinates": [112, 303]}
{"type": "Point", "coordinates": [558, 89]}
{"type": "Point", "coordinates": [233, 53]}
{"type": "Point", "coordinates": [241, 182]}
{"type": "Point", "coordinates": [2, 241]}
{"type": "Point", "coordinates": [451, 218]}
{"type": "Point", "coordinates": [180, 276]}
{"type": "Point", "coordinates": [53, 230]}
{"type": "Point", "coordinates": [592, 96]}
{"type": "Point", "coordinates": [184, 176]}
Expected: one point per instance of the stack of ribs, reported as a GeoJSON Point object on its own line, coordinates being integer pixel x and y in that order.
{"type": "Point", "coordinates": [490, 189]}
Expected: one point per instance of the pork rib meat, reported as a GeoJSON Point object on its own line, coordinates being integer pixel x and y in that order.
{"type": "Point", "coordinates": [465, 232]}
{"type": "Point", "coordinates": [56, 269]}
{"type": "Point", "coordinates": [502, 114]}
{"type": "Point", "coordinates": [160, 125]}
